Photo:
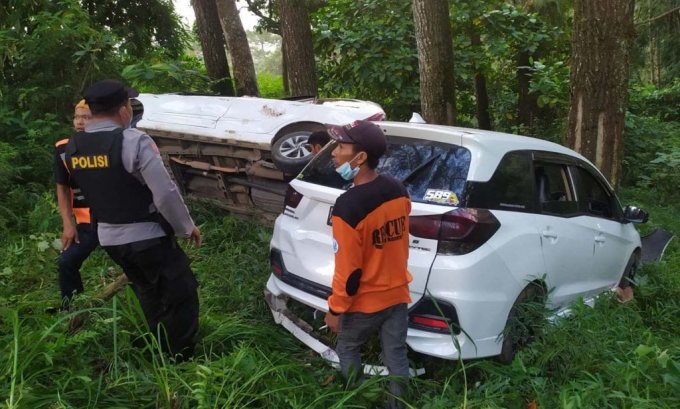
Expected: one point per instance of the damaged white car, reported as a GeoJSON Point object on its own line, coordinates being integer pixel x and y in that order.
{"type": "Point", "coordinates": [498, 222]}
{"type": "Point", "coordinates": [239, 152]}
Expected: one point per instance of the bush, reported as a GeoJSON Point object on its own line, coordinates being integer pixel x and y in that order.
{"type": "Point", "coordinates": [652, 155]}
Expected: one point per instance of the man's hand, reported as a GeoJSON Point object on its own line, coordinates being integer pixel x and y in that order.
{"type": "Point", "coordinates": [196, 237]}
{"type": "Point", "coordinates": [333, 322]}
{"type": "Point", "coordinates": [68, 236]}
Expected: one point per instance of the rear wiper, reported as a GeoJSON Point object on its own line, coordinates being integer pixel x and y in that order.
{"type": "Point", "coordinates": [420, 167]}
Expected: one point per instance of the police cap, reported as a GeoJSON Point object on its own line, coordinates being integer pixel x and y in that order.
{"type": "Point", "coordinates": [105, 95]}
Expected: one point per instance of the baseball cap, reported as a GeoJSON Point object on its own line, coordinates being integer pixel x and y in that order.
{"type": "Point", "coordinates": [107, 94]}
{"type": "Point", "coordinates": [364, 133]}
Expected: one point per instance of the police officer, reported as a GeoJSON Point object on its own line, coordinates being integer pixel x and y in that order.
{"type": "Point", "coordinates": [139, 210]}
{"type": "Point", "coordinates": [80, 239]}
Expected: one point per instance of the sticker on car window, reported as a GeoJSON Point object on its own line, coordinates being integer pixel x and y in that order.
{"type": "Point", "coordinates": [441, 196]}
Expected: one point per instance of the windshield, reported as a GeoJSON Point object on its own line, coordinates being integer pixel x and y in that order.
{"type": "Point", "coordinates": [432, 172]}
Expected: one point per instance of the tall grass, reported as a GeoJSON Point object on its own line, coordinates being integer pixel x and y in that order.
{"type": "Point", "coordinates": [609, 356]}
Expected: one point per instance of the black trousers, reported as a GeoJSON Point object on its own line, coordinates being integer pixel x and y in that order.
{"type": "Point", "coordinates": [160, 275]}
{"type": "Point", "coordinates": [72, 258]}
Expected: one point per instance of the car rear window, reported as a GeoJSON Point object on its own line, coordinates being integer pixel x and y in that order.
{"type": "Point", "coordinates": [433, 172]}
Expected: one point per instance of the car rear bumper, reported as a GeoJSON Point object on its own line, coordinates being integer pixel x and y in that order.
{"type": "Point", "coordinates": [277, 301]}
{"type": "Point", "coordinates": [277, 295]}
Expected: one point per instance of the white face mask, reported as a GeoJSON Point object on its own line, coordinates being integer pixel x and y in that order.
{"type": "Point", "coordinates": [346, 171]}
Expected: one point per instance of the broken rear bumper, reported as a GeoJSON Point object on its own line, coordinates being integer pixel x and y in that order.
{"type": "Point", "coordinates": [278, 304]}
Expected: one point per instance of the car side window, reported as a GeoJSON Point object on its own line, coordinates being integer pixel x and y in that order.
{"type": "Point", "coordinates": [554, 189]}
{"type": "Point", "coordinates": [593, 198]}
{"type": "Point", "coordinates": [510, 186]}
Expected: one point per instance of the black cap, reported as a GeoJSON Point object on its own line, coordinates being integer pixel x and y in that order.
{"type": "Point", "coordinates": [107, 94]}
{"type": "Point", "coordinates": [363, 133]}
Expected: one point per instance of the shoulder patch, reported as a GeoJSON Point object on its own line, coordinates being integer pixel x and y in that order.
{"type": "Point", "coordinates": [336, 247]}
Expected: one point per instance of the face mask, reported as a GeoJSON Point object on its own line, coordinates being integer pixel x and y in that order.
{"type": "Point", "coordinates": [346, 171]}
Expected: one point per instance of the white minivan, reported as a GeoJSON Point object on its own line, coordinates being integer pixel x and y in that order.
{"type": "Point", "coordinates": [497, 221]}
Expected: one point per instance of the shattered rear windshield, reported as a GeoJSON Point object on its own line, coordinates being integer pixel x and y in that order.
{"type": "Point", "coordinates": [433, 172]}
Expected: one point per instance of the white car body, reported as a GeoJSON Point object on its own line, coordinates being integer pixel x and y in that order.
{"type": "Point", "coordinates": [246, 119]}
{"type": "Point", "coordinates": [573, 256]}
{"type": "Point", "coordinates": [239, 152]}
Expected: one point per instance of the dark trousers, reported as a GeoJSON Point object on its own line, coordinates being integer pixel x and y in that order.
{"type": "Point", "coordinates": [392, 325]}
{"type": "Point", "coordinates": [160, 276]}
{"type": "Point", "coordinates": [71, 259]}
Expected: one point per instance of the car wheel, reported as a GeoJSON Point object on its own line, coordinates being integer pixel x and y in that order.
{"type": "Point", "coordinates": [628, 277]}
{"type": "Point", "coordinates": [290, 152]}
{"type": "Point", "coordinates": [525, 318]}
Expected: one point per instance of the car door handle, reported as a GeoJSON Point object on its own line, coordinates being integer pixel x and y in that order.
{"type": "Point", "coordinates": [549, 234]}
{"type": "Point", "coordinates": [600, 239]}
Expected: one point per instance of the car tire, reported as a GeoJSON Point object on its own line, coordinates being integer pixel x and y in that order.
{"type": "Point", "coordinates": [628, 276]}
{"type": "Point", "coordinates": [524, 319]}
{"type": "Point", "coordinates": [290, 151]}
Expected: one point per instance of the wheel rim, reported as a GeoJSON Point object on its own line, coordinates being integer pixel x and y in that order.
{"type": "Point", "coordinates": [295, 147]}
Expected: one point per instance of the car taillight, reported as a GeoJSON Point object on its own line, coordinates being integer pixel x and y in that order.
{"type": "Point", "coordinates": [459, 231]}
{"type": "Point", "coordinates": [430, 322]}
{"type": "Point", "coordinates": [293, 198]}
{"type": "Point", "coordinates": [433, 315]}
{"type": "Point", "coordinates": [380, 116]}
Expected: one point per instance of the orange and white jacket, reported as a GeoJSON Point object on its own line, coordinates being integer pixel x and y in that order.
{"type": "Point", "coordinates": [370, 240]}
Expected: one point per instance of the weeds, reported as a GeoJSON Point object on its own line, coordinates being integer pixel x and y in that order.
{"type": "Point", "coordinates": [609, 356]}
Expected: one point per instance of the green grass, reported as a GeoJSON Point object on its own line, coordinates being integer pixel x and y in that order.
{"type": "Point", "coordinates": [609, 356]}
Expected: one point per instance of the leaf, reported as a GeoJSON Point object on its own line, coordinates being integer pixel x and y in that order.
{"type": "Point", "coordinates": [643, 350]}
{"type": "Point", "coordinates": [42, 245]}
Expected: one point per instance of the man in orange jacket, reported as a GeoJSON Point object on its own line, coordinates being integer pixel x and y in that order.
{"type": "Point", "coordinates": [78, 239]}
{"type": "Point", "coordinates": [371, 237]}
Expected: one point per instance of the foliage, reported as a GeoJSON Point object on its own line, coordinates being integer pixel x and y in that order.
{"type": "Point", "coordinates": [141, 25]}
{"type": "Point", "coordinates": [270, 85]}
{"type": "Point", "coordinates": [366, 49]}
{"type": "Point", "coordinates": [652, 140]}
{"type": "Point", "coordinates": [245, 360]}
{"type": "Point", "coordinates": [656, 55]}
{"type": "Point", "coordinates": [507, 31]}
{"type": "Point", "coordinates": [157, 75]}
{"type": "Point", "coordinates": [660, 103]}
{"type": "Point", "coordinates": [49, 52]}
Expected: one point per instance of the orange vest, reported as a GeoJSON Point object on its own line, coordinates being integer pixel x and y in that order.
{"type": "Point", "coordinates": [80, 211]}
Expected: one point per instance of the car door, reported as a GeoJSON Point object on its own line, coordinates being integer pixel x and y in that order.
{"type": "Point", "coordinates": [613, 243]}
{"type": "Point", "coordinates": [566, 235]}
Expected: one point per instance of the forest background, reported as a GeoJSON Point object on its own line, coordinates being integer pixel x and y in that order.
{"type": "Point", "coordinates": [510, 68]}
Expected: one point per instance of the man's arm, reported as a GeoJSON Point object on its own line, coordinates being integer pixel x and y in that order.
{"type": "Point", "coordinates": [166, 196]}
{"type": "Point", "coordinates": [347, 275]}
{"type": "Point", "coordinates": [69, 233]}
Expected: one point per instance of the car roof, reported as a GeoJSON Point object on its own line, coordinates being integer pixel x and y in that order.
{"type": "Point", "coordinates": [489, 145]}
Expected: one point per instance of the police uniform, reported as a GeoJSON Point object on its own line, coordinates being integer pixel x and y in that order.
{"type": "Point", "coordinates": [71, 259]}
{"type": "Point", "coordinates": [138, 210]}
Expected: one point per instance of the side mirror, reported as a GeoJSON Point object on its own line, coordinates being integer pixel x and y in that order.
{"type": "Point", "coordinates": [635, 215]}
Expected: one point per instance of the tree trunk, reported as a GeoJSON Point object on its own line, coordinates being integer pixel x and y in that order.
{"type": "Point", "coordinates": [284, 69]}
{"type": "Point", "coordinates": [237, 43]}
{"type": "Point", "coordinates": [527, 106]}
{"type": "Point", "coordinates": [481, 94]}
{"type": "Point", "coordinates": [213, 45]}
{"type": "Point", "coordinates": [298, 50]}
{"type": "Point", "coordinates": [601, 43]}
{"type": "Point", "coordinates": [435, 60]}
